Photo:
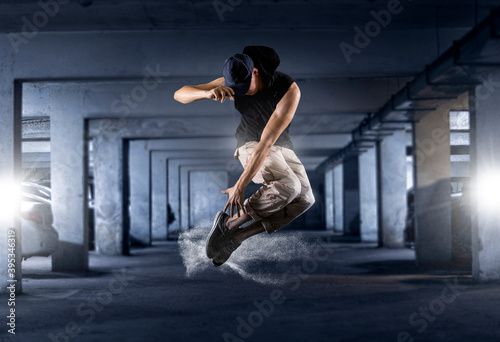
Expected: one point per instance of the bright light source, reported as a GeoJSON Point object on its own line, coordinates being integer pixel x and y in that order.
{"type": "Point", "coordinates": [10, 194]}
{"type": "Point", "coordinates": [488, 191]}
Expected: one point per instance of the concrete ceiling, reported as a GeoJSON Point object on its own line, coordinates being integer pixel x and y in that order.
{"type": "Point", "coordinates": [79, 15]}
{"type": "Point", "coordinates": [345, 102]}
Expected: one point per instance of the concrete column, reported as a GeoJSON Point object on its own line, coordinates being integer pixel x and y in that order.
{"type": "Point", "coordinates": [368, 195]}
{"type": "Point", "coordinates": [139, 176]}
{"type": "Point", "coordinates": [159, 204]}
{"type": "Point", "coordinates": [392, 186]}
{"type": "Point", "coordinates": [338, 198]}
{"type": "Point", "coordinates": [485, 162]}
{"type": "Point", "coordinates": [329, 200]}
{"type": "Point", "coordinates": [69, 186]}
{"type": "Point", "coordinates": [432, 201]}
{"type": "Point", "coordinates": [108, 190]}
{"type": "Point", "coordinates": [10, 155]}
{"type": "Point", "coordinates": [351, 197]}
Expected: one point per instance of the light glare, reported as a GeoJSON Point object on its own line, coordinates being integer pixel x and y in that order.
{"type": "Point", "coordinates": [488, 191]}
{"type": "Point", "coordinates": [9, 200]}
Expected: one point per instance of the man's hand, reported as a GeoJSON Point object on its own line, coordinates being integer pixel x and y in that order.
{"type": "Point", "coordinates": [235, 200]}
{"type": "Point", "coordinates": [220, 93]}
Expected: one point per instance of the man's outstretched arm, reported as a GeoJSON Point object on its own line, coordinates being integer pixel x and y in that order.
{"type": "Point", "coordinates": [214, 90]}
{"type": "Point", "coordinates": [279, 120]}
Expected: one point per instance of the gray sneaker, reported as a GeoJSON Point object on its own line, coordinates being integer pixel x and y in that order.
{"type": "Point", "coordinates": [226, 245]}
{"type": "Point", "coordinates": [219, 230]}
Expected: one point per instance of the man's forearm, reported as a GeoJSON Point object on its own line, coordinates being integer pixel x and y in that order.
{"type": "Point", "coordinates": [189, 94]}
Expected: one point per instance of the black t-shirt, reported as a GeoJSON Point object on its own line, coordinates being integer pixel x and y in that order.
{"type": "Point", "coordinates": [256, 110]}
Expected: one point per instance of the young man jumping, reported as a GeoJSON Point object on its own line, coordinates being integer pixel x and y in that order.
{"type": "Point", "coordinates": [267, 100]}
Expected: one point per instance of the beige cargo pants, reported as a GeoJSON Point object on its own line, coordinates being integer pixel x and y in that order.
{"type": "Point", "coordinates": [286, 192]}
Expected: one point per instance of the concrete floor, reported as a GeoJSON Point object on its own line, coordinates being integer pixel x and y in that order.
{"type": "Point", "coordinates": [324, 289]}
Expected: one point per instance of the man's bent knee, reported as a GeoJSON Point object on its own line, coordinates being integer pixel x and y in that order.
{"type": "Point", "coordinates": [306, 201]}
{"type": "Point", "coordinates": [310, 200]}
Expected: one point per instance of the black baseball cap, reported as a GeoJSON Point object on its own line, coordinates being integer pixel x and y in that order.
{"type": "Point", "coordinates": [237, 73]}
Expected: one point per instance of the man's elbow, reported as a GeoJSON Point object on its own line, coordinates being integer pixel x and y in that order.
{"type": "Point", "coordinates": [178, 97]}
{"type": "Point", "coordinates": [295, 92]}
